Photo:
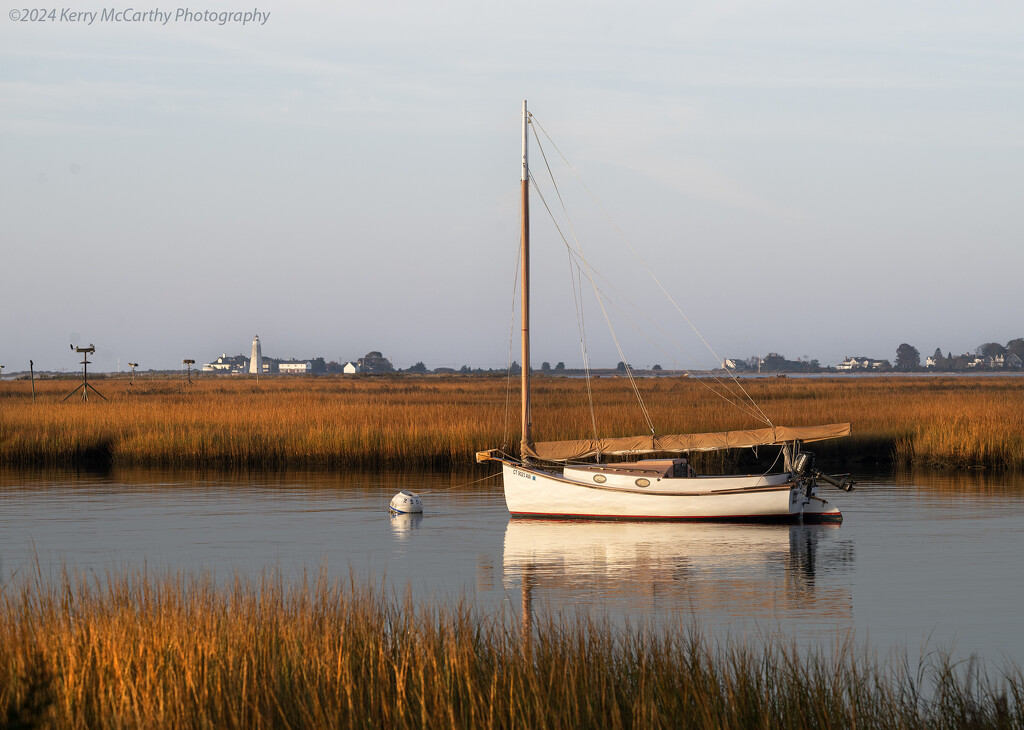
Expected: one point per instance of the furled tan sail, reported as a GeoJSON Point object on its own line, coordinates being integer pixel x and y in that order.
{"type": "Point", "coordinates": [681, 443]}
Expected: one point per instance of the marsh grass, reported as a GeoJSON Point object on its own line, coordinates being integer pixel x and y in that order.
{"type": "Point", "coordinates": [134, 651]}
{"type": "Point", "coordinates": [439, 421]}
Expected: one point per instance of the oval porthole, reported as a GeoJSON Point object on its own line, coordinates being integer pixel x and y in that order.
{"type": "Point", "coordinates": [641, 482]}
{"type": "Point", "coordinates": [600, 478]}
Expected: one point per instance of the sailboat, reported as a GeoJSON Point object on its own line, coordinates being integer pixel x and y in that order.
{"type": "Point", "coordinates": [553, 479]}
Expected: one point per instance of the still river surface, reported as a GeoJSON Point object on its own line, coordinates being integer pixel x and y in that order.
{"type": "Point", "coordinates": [923, 561]}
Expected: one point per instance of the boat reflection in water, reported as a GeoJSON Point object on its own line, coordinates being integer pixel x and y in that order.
{"type": "Point", "coordinates": [657, 572]}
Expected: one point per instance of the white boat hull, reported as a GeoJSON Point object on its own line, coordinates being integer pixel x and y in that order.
{"type": "Point", "coordinates": [531, 492]}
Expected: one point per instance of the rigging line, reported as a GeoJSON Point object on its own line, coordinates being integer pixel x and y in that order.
{"type": "Point", "coordinates": [668, 296]}
{"type": "Point", "coordinates": [577, 295]}
{"type": "Point", "coordinates": [648, 269]}
{"type": "Point", "coordinates": [730, 393]}
{"type": "Point", "coordinates": [577, 299]}
{"type": "Point", "coordinates": [739, 405]}
{"type": "Point", "coordinates": [587, 370]}
{"type": "Point", "coordinates": [458, 486]}
{"type": "Point", "coordinates": [772, 465]}
{"type": "Point", "coordinates": [590, 278]}
{"type": "Point", "coordinates": [611, 328]}
{"type": "Point", "coordinates": [511, 339]}
{"type": "Point", "coordinates": [726, 393]}
{"type": "Point", "coordinates": [762, 416]}
{"type": "Point", "coordinates": [579, 247]}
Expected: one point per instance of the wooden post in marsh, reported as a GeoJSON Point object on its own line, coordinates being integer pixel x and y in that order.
{"type": "Point", "coordinates": [84, 387]}
{"type": "Point", "coordinates": [131, 380]}
{"type": "Point", "coordinates": [32, 377]}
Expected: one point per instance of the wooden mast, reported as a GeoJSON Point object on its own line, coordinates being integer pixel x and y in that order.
{"type": "Point", "coordinates": [525, 317]}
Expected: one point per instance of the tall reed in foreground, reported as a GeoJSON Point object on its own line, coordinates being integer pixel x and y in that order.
{"type": "Point", "coordinates": [131, 651]}
{"type": "Point", "coordinates": [442, 421]}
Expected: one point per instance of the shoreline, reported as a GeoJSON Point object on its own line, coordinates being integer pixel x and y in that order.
{"type": "Point", "coordinates": [431, 421]}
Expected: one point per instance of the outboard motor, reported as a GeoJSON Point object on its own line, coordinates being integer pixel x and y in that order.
{"type": "Point", "coordinates": [803, 464]}
{"type": "Point", "coordinates": [840, 481]}
{"type": "Point", "coordinates": [803, 467]}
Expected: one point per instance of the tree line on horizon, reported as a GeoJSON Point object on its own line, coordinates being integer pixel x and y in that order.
{"type": "Point", "coordinates": [987, 356]}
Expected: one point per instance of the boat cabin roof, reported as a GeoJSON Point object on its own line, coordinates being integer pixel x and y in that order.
{"type": "Point", "coordinates": [644, 467]}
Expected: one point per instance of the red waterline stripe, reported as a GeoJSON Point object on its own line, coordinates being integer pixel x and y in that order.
{"type": "Point", "coordinates": [787, 517]}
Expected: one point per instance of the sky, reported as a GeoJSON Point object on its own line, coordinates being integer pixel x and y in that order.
{"type": "Point", "coordinates": [814, 179]}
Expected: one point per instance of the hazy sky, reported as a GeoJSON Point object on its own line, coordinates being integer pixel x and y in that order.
{"type": "Point", "coordinates": [816, 179]}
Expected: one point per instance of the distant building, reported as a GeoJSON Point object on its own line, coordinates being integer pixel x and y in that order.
{"type": "Point", "coordinates": [375, 362]}
{"type": "Point", "coordinates": [732, 363]}
{"type": "Point", "coordinates": [1002, 362]}
{"type": "Point", "coordinates": [256, 359]}
{"type": "Point", "coordinates": [351, 368]}
{"type": "Point", "coordinates": [294, 367]}
{"type": "Point", "coordinates": [970, 361]}
{"type": "Point", "coordinates": [993, 361]}
{"type": "Point", "coordinates": [235, 365]}
{"type": "Point", "coordinates": [862, 363]}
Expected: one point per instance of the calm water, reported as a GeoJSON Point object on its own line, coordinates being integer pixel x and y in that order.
{"type": "Point", "coordinates": [921, 559]}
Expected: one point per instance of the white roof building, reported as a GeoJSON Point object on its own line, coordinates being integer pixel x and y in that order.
{"type": "Point", "coordinates": [295, 367]}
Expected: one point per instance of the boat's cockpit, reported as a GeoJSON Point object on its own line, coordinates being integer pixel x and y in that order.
{"type": "Point", "coordinates": [650, 468]}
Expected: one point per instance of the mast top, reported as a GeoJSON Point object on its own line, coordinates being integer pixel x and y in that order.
{"type": "Point", "coordinates": [526, 165]}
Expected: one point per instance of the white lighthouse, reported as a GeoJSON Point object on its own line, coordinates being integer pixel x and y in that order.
{"type": "Point", "coordinates": [256, 359]}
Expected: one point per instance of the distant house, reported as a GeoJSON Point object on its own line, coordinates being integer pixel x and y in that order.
{"type": "Point", "coordinates": [1004, 361]}
{"type": "Point", "coordinates": [294, 367]}
{"type": "Point", "coordinates": [235, 365]}
{"type": "Point", "coordinates": [970, 361]}
{"type": "Point", "coordinates": [1008, 360]}
{"type": "Point", "coordinates": [351, 368]}
{"type": "Point", "coordinates": [375, 362]}
{"type": "Point", "coordinates": [731, 363]}
{"type": "Point", "coordinates": [862, 363]}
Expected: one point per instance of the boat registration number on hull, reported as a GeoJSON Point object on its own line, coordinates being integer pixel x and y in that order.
{"type": "Point", "coordinates": [523, 474]}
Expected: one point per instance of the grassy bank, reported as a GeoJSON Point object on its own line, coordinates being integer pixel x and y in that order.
{"type": "Point", "coordinates": [136, 652]}
{"type": "Point", "coordinates": [441, 421]}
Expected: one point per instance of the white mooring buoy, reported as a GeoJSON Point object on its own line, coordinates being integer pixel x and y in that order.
{"type": "Point", "coordinates": [406, 503]}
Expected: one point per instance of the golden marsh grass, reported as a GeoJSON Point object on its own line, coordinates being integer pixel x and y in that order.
{"type": "Point", "coordinates": [131, 651]}
{"type": "Point", "coordinates": [442, 420]}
